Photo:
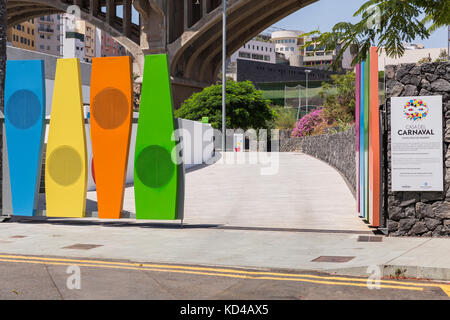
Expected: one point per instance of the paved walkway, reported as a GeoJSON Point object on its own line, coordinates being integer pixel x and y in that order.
{"type": "Point", "coordinates": [305, 193]}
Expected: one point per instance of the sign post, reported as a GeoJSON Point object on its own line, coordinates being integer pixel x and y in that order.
{"type": "Point", "coordinates": [417, 144]}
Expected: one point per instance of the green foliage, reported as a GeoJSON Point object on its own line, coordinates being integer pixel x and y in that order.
{"type": "Point", "coordinates": [286, 118]}
{"type": "Point", "coordinates": [339, 105]}
{"type": "Point", "coordinates": [246, 107]}
{"type": "Point", "coordinates": [443, 56]}
{"type": "Point", "coordinates": [424, 60]}
{"type": "Point", "coordinates": [385, 23]}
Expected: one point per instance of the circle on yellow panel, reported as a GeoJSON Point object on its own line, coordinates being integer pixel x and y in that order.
{"type": "Point", "coordinates": [65, 165]}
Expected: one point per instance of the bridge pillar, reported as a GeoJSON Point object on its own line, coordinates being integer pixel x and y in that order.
{"type": "Point", "coordinates": [153, 29]}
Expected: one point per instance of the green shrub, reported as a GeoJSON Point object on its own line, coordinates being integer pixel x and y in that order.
{"type": "Point", "coordinates": [246, 107]}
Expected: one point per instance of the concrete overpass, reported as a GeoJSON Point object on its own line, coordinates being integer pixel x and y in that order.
{"type": "Point", "coordinates": [189, 31]}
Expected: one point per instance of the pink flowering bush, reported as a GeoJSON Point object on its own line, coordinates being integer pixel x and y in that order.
{"type": "Point", "coordinates": [308, 124]}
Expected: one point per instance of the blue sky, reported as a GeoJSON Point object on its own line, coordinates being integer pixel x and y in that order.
{"type": "Point", "coordinates": [324, 14]}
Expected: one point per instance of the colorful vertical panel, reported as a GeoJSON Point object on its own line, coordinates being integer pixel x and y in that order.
{"type": "Point", "coordinates": [156, 176]}
{"type": "Point", "coordinates": [25, 128]}
{"type": "Point", "coordinates": [361, 144]}
{"type": "Point", "coordinates": [366, 137]}
{"type": "Point", "coordinates": [374, 142]}
{"type": "Point", "coordinates": [111, 121]}
{"type": "Point", "coordinates": [357, 129]}
{"type": "Point", "coordinates": [66, 159]}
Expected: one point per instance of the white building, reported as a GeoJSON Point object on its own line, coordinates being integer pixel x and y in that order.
{"type": "Point", "coordinates": [257, 51]}
{"type": "Point", "coordinates": [288, 42]}
{"type": "Point", "coordinates": [73, 43]}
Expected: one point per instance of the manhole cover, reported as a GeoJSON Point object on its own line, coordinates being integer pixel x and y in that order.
{"type": "Point", "coordinates": [81, 246]}
{"type": "Point", "coordinates": [369, 239]}
{"type": "Point", "coordinates": [336, 259]}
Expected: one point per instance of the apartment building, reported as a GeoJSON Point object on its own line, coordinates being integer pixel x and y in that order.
{"type": "Point", "coordinates": [23, 35]}
{"type": "Point", "coordinates": [110, 47]}
{"type": "Point", "coordinates": [49, 34]}
{"type": "Point", "coordinates": [64, 35]}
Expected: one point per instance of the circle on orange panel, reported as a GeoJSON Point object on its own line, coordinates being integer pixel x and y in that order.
{"type": "Point", "coordinates": [65, 166]}
{"type": "Point", "coordinates": [154, 166]}
{"type": "Point", "coordinates": [23, 109]}
{"type": "Point", "coordinates": [110, 108]}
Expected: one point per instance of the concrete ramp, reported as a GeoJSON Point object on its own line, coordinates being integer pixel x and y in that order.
{"type": "Point", "coordinates": [305, 193]}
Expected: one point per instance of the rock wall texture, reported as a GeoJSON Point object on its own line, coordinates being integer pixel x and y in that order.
{"type": "Point", "coordinates": [425, 214]}
{"type": "Point", "coordinates": [338, 150]}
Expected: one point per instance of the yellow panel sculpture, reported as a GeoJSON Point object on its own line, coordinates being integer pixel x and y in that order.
{"type": "Point", "coordinates": [66, 160]}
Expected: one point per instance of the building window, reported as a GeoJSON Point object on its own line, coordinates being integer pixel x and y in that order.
{"type": "Point", "coordinates": [257, 56]}
{"type": "Point", "coordinates": [244, 55]}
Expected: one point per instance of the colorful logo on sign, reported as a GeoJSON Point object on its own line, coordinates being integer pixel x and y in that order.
{"type": "Point", "coordinates": [416, 109]}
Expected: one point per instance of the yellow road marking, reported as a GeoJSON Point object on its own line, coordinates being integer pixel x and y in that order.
{"type": "Point", "coordinates": [228, 275]}
{"type": "Point", "coordinates": [223, 270]}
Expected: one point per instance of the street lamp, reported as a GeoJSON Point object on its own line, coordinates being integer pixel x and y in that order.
{"type": "Point", "coordinates": [307, 105]}
{"type": "Point", "coordinates": [224, 71]}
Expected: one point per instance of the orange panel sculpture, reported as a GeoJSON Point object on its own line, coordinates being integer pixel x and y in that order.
{"type": "Point", "coordinates": [374, 142]}
{"type": "Point", "coordinates": [111, 121]}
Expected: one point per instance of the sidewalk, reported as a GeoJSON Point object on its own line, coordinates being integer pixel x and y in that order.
{"type": "Point", "coordinates": [211, 245]}
{"type": "Point", "coordinates": [234, 216]}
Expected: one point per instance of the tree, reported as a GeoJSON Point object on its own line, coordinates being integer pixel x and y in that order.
{"type": "Point", "coordinates": [339, 105]}
{"type": "Point", "coordinates": [246, 106]}
{"type": "Point", "coordinates": [387, 24]}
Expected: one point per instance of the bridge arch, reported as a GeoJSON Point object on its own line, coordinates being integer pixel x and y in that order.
{"type": "Point", "coordinates": [122, 29]}
{"type": "Point", "coordinates": [197, 53]}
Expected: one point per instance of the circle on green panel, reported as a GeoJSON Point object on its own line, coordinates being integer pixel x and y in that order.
{"type": "Point", "coordinates": [154, 166]}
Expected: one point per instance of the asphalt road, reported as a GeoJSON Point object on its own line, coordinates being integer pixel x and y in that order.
{"type": "Point", "coordinates": [33, 277]}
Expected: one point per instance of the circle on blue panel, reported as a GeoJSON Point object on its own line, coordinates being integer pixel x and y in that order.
{"type": "Point", "coordinates": [23, 109]}
{"type": "Point", "coordinates": [154, 166]}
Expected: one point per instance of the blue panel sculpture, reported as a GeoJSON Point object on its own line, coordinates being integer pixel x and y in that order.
{"type": "Point", "coordinates": [25, 129]}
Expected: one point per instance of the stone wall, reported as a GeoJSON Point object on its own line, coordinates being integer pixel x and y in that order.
{"type": "Point", "coordinates": [425, 214]}
{"type": "Point", "coordinates": [338, 150]}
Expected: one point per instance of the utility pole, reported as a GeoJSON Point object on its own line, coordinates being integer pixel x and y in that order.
{"type": "Point", "coordinates": [224, 73]}
{"type": "Point", "coordinates": [307, 104]}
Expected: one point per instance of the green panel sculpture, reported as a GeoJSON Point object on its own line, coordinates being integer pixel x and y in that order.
{"type": "Point", "coordinates": [158, 177]}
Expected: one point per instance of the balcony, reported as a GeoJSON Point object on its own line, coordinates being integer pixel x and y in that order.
{"type": "Point", "coordinates": [46, 30]}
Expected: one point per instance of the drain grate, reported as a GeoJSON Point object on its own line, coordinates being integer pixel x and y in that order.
{"type": "Point", "coordinates": [369, 239]}
{"type": "Point", "coordinates": [81, 246]}
{"type": "Point", "coordinates": [336, 259]}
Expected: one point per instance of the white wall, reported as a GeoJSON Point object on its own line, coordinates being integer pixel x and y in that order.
{"type": "Point", "coordinates": [410, 56]}
{"type": "Point", "coordinates": [198, 146]}
{"type": "Point", "coordinates": [256, 47]}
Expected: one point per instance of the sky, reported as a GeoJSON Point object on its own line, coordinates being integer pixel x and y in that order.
{"type": "Point", "coordinates": [324, 14]}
